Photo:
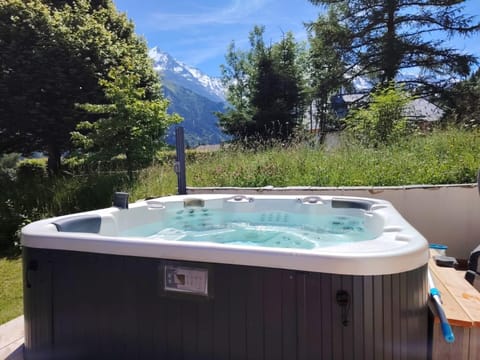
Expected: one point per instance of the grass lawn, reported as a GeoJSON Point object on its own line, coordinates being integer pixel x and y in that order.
{"type": "Point", "coordinates": [11, 295]}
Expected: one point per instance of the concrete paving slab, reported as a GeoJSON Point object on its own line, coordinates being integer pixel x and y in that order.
{"type": "Point", "coordinates": [11, 339]}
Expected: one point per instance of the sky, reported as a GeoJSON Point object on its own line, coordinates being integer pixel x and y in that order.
{"type": "Point", "coordinates": [198, 32]}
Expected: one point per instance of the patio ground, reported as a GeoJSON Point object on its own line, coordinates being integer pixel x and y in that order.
{"type": "Point", "coordinates": [11, 339]}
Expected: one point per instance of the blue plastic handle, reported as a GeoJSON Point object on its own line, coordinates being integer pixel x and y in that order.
{"type": "Point", "coordinates": [446, 328]}
{"type": "Point", "coordinates": [447, 332]}
{"type": "Point", "coordinates": [438, 246]}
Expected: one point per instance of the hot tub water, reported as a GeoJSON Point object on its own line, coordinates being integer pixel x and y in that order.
{"type": "Point", "coordinates": [278, 229]}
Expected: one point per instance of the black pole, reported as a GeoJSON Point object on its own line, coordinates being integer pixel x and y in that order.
{"type": "Point", "coordinates": [180, 163]}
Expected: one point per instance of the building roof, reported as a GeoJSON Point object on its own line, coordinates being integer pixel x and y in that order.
{"type": "Point", "coordinates": [415, 110]}
{"type": "Point", "coordinates": [423, 110]}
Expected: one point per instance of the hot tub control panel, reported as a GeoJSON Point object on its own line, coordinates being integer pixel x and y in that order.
{"type": "Point", "coordinates": [186, 280]}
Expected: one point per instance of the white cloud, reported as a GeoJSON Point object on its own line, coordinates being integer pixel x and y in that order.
{"type": "Point", "coordinates": [234, 12]}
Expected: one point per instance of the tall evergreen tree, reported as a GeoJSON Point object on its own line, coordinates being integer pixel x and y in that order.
{"type": "Point", "coordinates": [53, 54]}
{"type": "Point", "coordinates": [265, 89]}
{"type": "Point", "coordinates": [381, 38]}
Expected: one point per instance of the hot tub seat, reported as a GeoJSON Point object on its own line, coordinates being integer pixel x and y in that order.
{"type": "Point", "coordinates": [81, 223]}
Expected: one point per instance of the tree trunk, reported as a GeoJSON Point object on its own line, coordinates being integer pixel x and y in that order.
{"type": "Point", "coordinates": [391, 56]}
{"type": "Point", "coordinates": [54, 158]}
{"type": "Point", "coordinates": [129, 166]}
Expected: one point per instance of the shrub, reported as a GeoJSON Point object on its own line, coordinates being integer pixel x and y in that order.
{"type": "Point", "coordinates": [383, 120]}
{"type": "Point", "coordinates": [9, 161]}
{"type": "Point", "coordinates": [9, 219]}
{"type": "Point", "coordinates": [32, 169]}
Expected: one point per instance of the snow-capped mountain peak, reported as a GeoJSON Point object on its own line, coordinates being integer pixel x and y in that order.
{"type": "Point", "coordinates": [189, 77]}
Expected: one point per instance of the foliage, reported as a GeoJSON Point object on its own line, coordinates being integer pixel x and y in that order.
{"type": "Point", "coordinates": [9, 218]}
{"type": "Point", "coordinates": [265, 89]}
{"type": "Point", "coordinates": [130, 124]}
{"type": "Point", "coordinates": [82, 193]}
{"type": "Point", "coordinates": [327, 37]}
{"type": "Point", "coordinates": [462, 102]}
{"type": "Point", "coordinates": [441, 157]}
{"type": "Point", "coordinates": [9, 161]}
{"type": "Point", "coordinates": [383, 120]}
{"type": "Point", "coordinates": [26, 199]}
{"type": "Point", "coordinates": [53, 55]}
{"type": "Point", "coordinates": [379, 39]}
{"type": "Point", "coordinates": [31, 170]}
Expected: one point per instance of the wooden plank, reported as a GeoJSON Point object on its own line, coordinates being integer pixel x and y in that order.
{"type": "Point", "coordinates": [313, 317]}
{"type": "Point", "coordinates": [254, 321]}
{"type": "Point", "coordinates": [205, 330]}
{"type": "Point", "coordinates": [455, 313]}
{"type": "Point", "coordinates": [289, 316]}
{"type": "Point", "coordinates": [467, 296]}
{"type": "Point", "coordinates": [238, 315]}
{"type": "Point", "coordinates": [441, 350]}
{"type": "Point", "coordinates": [377, 316]}
{"type": "Point", "coordinates": [189, 321]}
{"type": "Point", "coordinates": [150, 337]}
{"type": "Point", "coordinates": [221, 312]}
{"type": "Point", "coordinates": [474, 348]}
{"type": "Point", "coordinates": [368, 311]}
{"type": "Point", "coordinates": [387, 317]}
{"type": "Point", "coordinates": [404, 310]}
{"type": "Point", "coordinates": [302, 315]}
{"type": "Point", "coordinates": [417, 303]}
{"type": "Point", "coordinates": [396, 318]}
{"type": "Point", "coordinates": [174, 330]}
{"type": "Point", "coordinates": [327, 303]}
{"type": "Point", "coordinates": [348, 331]}
{"type": "Point", "coordinates": [461, 303]}
{"type": "Point", "coordinates": [272, 314]}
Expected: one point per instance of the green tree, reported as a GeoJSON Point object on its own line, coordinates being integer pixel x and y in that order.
{"type": "Point", "coordinates": [277, 96]}
{"type": "Point", "coordinates": [383, 120]}
{"type": "Point", "coordinates": [265, 89]}
{"type": "Point", "coordinates": [327, 38]}
{"type": "Point", "coordinates": [379, 39]}
{"type": "Point", "coordinates": [53, 54]}
{"type": "Point", "coordinates": [462, 102]}
{"type": "Point", "coordinates": [130, 124]}
{"type": "Point", "coordinates": [237, 76]}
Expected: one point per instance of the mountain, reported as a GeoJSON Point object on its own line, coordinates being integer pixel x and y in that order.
{"type": "Point", "coordinates": [194, 96]}
{"type": "Point", "coordinates": [200, 123]}
{"type": "Point", "coordinates": [186, 76]}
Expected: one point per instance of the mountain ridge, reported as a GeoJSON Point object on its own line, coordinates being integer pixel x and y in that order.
{"type": "Point", "coordinates": [188, 76]}
{"type": "Point", "coordinates": [193, 95]}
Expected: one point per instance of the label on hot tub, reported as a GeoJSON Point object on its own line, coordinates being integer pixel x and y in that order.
{"type": "Point", "coordinates": [186, 280]}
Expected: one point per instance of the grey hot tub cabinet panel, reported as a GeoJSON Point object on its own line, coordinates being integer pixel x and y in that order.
{"type": "Point", "coordinates": [86, 306]}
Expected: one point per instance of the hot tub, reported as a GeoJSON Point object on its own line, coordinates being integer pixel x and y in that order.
{"type": "Point", "coordinates": [227, 277]}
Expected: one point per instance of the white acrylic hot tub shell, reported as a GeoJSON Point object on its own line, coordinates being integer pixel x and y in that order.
{"type": "Point", "coordinates": [399, 248]}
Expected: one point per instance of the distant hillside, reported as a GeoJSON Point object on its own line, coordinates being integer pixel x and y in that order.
{"type": "Point", "coordinates": [193, 95]}
{"type": "Point", "coordinates": [200, 123]}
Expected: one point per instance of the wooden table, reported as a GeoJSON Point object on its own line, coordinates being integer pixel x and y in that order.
{"type": "Point", "coordinates": [461, 302]}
